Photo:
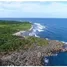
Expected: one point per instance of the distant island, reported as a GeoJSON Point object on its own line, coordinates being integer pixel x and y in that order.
{"type": "Point", "coordinates": [16, 49]}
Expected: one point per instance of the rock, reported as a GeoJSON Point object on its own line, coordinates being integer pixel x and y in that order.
{"type": "Point", "coordinates": [27, 64]}
{"type": "Point", "coordinates": [30, 57]}
{"type": "Point", "coordinates": [39, 54]}
{"type": "Point", "coordinates": [0, 62]}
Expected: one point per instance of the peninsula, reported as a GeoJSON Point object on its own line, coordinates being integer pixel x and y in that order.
{"type": "Point", "coordinates": [16, 49]}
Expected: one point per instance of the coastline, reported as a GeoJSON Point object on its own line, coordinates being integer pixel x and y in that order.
{"type": "Point", "coordinates": [34, 54]}
{"type": "Point", "coordinates": [26, 33]}
{"type": "Point", "coordinates": [31, 27]}
{"type": "Point", "coordinates": [22, 33]}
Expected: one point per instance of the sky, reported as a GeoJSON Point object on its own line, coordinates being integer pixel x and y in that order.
{"type": "Point", "coordinates": [30, 9]}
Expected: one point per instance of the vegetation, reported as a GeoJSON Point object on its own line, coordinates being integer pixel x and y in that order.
{"type": "Point", "coordinates": [8, 42]}
{"type": "Point", "coordinates": [38, 41]}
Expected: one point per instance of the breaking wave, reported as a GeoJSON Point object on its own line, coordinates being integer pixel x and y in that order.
{"type": "Point", "coordinates": [64, 42]}
{"type": "Point", "coordinates": [46, 60]}
{"type": "Point", "coordinates": [36, 28]}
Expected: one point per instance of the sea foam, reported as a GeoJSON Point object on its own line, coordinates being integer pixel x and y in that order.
{"type": "Point", "coordinates": [46, 60]}
{"type": "Point", "coordinates": [64, 42]}
{"type": "Point", "coordinates": [36, 28]}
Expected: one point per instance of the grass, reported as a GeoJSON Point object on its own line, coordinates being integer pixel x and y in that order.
{"type": "Point", "coordinates": [8, 42]}
{"type": "Point", "coordinates": [38, 41]}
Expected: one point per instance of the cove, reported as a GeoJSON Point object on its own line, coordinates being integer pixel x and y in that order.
{"type": "Point", "coordinates": [59, 59]}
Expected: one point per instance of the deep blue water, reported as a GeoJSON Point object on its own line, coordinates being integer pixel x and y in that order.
{"type": "Point", "coordinates": [58, 60]}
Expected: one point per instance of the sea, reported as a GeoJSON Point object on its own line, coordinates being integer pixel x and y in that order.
{"type": "Point", "coordinates": [51, 29]}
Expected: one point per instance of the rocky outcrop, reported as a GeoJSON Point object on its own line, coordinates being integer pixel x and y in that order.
{"type": "Point", "coordinates": [31, 57]}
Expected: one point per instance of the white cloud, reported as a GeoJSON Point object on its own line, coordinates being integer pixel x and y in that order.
{"type": "Point", "coordinates": [33, 9]}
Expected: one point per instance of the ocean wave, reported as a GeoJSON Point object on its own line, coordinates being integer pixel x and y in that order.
{"type": "Point", "coordinates": [36, 28]}
{"type": "Point", "coordinates": [57, 41]}
{"type": "Point", "coordinates": [46, 60]}
{"type": "Point", "coordinates": [64, 42]}
{"type": "Point", "coordinates": [46, 38]}
{"type": "Point", "coordinates": [39, 27]}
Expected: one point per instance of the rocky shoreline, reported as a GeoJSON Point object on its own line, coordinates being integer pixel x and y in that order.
{"type": "Point", "coordinates": [32, 56]}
